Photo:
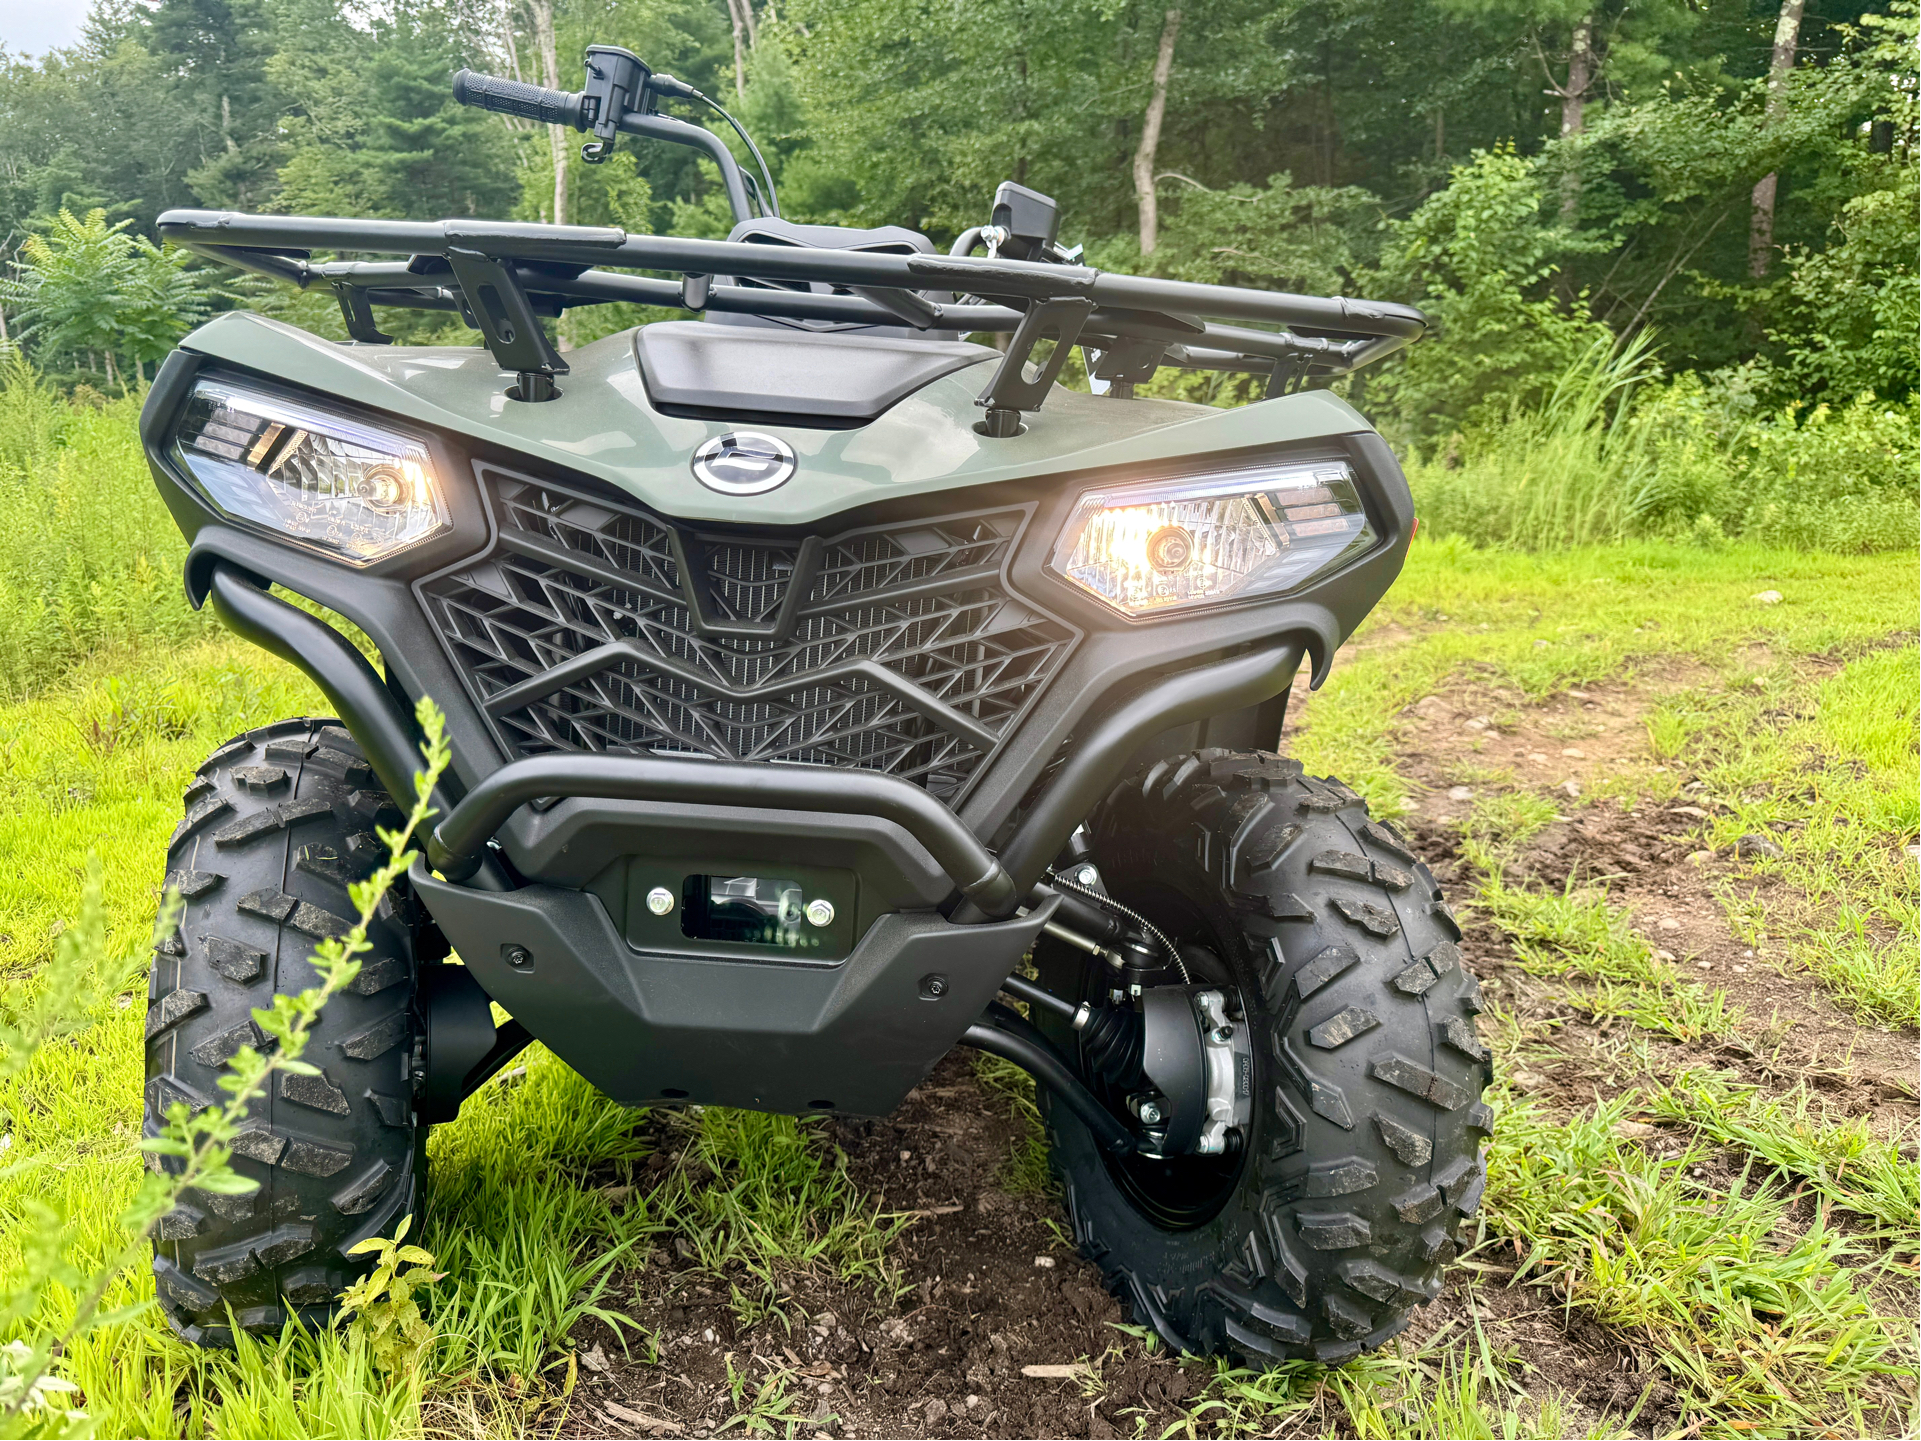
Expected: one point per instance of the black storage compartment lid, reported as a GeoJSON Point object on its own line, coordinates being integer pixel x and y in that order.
{"type": "Point", "coordinates": [828, 380]}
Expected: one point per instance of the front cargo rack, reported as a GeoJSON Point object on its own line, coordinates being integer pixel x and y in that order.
{"type": "Point", "coordinates": [503, 277]}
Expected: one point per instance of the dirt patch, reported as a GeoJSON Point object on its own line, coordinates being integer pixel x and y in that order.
{"type": "Point", "coordinates": [988, 1288]}
{"type": "Point", "coordinates": [1647, 852]}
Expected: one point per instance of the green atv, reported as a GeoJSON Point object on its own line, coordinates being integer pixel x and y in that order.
{"type": "Point", "coordinates": [825, 690]}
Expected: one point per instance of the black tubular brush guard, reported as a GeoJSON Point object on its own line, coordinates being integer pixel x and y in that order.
{"type": "Point", "coordinates": [457, 847]}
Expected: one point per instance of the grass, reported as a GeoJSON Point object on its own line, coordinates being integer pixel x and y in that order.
{"type": "Point", "coordinates": [1445, 1390]}
{"type": "Point", "coordinates": [1839, 1156]}
{"type": "Point", "coordinates": [1760, 1317]}
{"type": "Point", "coordinates": [1613, 454]}
{"type": "Point", "coordinates": [92, 558]}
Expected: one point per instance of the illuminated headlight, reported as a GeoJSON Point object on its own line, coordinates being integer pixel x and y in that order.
{"type": "Point", "coordinates": [336, 484]}
{"type": "Point", "coordinates": [1232, 535]}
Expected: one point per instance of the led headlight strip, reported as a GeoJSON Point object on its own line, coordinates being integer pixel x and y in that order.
{"type": "Point", "coordinates": [329, 482]}
{"type": "Point", "coordinates": [1203, 540]}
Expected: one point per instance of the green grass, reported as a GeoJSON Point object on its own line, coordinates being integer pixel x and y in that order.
{"type": "Point", "coordinates": [1839, 1156]}
{"type": "Point", "coordinates": [92, 557]}
{"type": "Point", "coordinates": [1761, 1320]}
{"type": "Point", "coordinates": [1451, 1388]}
{"type": "Point", "coordinates": [1612, 454]}
{"type": "Point", "coordinates": [1542, 624]}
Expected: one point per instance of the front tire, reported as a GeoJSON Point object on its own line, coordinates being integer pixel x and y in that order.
{"type": "Point", "coordinates": [278, 823]}
{"type": "Point", "coordinates": [1363, 1159]}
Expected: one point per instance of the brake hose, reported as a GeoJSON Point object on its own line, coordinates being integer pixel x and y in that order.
{"type": "Point", "coordinates": [1108, 902]}
{"type": "Point", "coordinates": [663, 84]}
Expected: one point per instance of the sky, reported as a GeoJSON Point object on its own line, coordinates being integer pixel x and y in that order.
{"type": "Point", "coordinates": [33, 27]}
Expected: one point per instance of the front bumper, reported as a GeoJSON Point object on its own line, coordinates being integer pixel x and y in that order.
{"type": "Point", "coordinates": [769, 1036]}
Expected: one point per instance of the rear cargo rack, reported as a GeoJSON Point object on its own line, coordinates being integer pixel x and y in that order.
{"type": "Point", "coordinates": [502, 277]}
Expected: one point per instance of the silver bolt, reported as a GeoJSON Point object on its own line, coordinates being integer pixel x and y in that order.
{"type": "Point", "coordinates": [1088, 876]}
{"type": "Point", "coordinates": [1150, 1114]}
{"type": "Point", "coordinates": [820, 912]}
{"type": "Point", "coordinates": [660, 900]}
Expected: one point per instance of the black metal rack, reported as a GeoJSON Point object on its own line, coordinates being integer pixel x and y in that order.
{"type": "Point", "coordinates": [502, 277]}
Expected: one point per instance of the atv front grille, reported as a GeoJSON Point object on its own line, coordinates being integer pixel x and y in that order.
{"type": "Point", "coordinates": [593, 627]}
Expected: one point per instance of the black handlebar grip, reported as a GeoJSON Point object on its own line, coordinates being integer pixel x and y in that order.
{"type": "Point", "coordinates": [512, 97]}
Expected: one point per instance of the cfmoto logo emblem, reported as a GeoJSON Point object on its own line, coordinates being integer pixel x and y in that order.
{"type": "Point", "coordinates": [744, 462]}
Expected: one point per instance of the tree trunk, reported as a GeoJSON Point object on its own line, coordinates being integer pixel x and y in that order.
{"type": "Point", "coordinates": [1151, 136]}
{"type": "Point", "coordinates": [550, 67]}
{"type": "Point", "coordinates": [1787, 36]}
{"type": "Point", "coordinates": [740, 52]}
{"type": "Point", "coordinates": [1580, 76]}
{"type": "Point", "coordinates": [513, 51]}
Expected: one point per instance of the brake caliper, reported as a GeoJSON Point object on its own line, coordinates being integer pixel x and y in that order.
{"type": "Point", "coordinates": [1229, 1056]}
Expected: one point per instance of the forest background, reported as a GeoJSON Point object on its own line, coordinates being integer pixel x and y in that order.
{"type": "Point", "coordinates": [1727, 186]}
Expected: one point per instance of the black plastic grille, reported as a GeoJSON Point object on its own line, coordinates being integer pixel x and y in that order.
{"type": "Point", "coordinates": [592, 627]}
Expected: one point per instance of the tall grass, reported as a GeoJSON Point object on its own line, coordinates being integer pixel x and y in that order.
{"type": "Point", "coordinates": [89, 556]}
{"type": "Point", "coordinates": [1616, 453]}
{"type": "Point", "coordinates": [1565, 474]}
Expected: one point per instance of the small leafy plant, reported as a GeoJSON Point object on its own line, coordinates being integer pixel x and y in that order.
{"type": "Point", "coordinates": [381, 1307]}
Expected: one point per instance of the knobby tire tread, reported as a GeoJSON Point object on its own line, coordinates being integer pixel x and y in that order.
{"type": "Point", "coordinates": [277, 824]}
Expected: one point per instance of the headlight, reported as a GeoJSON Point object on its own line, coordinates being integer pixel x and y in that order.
{"type": "Point", "coordinates": [325, 481]}
{"type": "Point", "coordinates": [1230, 535]}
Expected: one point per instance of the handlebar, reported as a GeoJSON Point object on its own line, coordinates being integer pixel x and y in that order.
{"type": "Point", "coordinates": [618, 100]}
{"type": "Point", "coordinates": [514, 97]}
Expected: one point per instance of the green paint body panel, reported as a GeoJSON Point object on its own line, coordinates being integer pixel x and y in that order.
{"type": "Point", "coordinates": [603, 425]}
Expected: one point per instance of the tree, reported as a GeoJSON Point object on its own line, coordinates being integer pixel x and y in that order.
{"type": "Point", "coordinates": [88, 289]}
{"type": "Point", "coordinates": [1787, 34]}
{"type": "Point", "coordinates": [557, 137]}
{"type": "Point", "coordinates": [1481, 261]}
{"type": "Point", "coordinates": [1144, 153]}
